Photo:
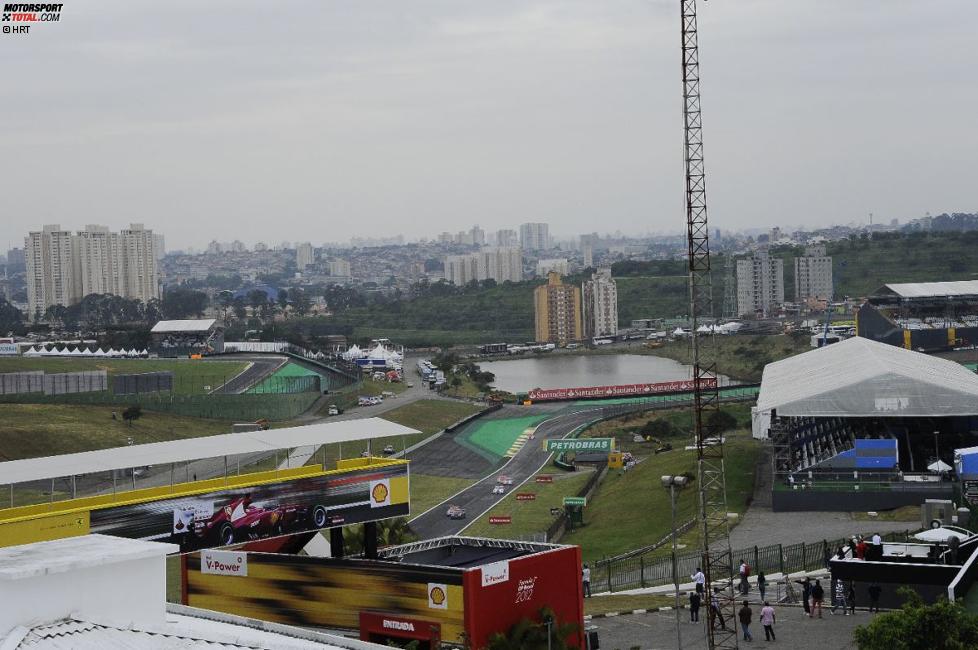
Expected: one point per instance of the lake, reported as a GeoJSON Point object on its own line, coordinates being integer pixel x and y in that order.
{"type": "Point", "coordinates": [575, 371]}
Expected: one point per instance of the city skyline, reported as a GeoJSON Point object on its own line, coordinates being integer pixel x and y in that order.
{"type": "Point", "coordinates": [382, 119]}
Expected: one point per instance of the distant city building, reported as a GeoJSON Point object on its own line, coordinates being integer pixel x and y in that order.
{"type": "Point", "coordinates": [546, 266]}
{"type": "Point", "coordinates": [600, 305]}
{"type": "Point", "coordinates": [215, 247]}
{"type": "Point", "coordinates": [813, 276]}
{"type": "Point", "coordinates": [339, 268]}
{"type": "Point", "coordinates": [16, 260]}
{"type": "Point", "coordinates": [588, 256]}
{"type": "Point", "coordinates": [477, 236]}
{"type": "Point", "coordinates": [760, 284]}
{"type": "Point", "coordinates": [159, 246]}
{"type": "Point", "coordinates": [507, 238]}
{"type": "Point", "coordinates": [445, 238]}
{"type": "Point", "coordinates": [261, 247]}
{"type": "Point", "coordinates": [502, 264]}
{"type": "Point", "coordinates": [557, 311]}
{"type": "Point", "coordinates": [304, 255]}
{"type": "Point", "coordinates": [535, 236]}
{"type": "Point", "coordinates": [63, 268]}
{"type": "Point", "coordinates": [237, 246]}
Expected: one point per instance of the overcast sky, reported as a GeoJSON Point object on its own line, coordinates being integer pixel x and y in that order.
{"type": "Point", "coordinates": [323, 120]}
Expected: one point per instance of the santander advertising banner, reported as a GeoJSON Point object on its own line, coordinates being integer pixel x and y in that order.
{"type": "Point", "coordinates": [626, 390]}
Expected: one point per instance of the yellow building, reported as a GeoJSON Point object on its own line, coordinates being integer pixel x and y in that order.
{"type": "Point", "coordinates": [557, 311]}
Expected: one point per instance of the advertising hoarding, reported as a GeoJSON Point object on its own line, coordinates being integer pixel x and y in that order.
{"type": "Point", "coordinates": [579, 444]}
{"type": "Point", "coordinates": [627, 390]}
{"type": "Point", "coordinates": [213, 513]}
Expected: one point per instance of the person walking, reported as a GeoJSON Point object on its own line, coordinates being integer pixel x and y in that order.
{"type": "Point", "coordinates": [744, 574]}
{"type": "Point", "coordinates": [745, 614]}
{"type": "Point", "coordinates": [861, 549]}
{"type": "Point", "coordinates": [851, 599]}
{"type": "Point", "coordinates": [694, 607]}
{"type": "Point", "coordinates": [818, 595]}
{"type": "Point", "coordinates": [761, 584]}
{"type": "Point", "coordinates": [767, 620]}
{"type": "Point", "coordinates": [699, 579]}
{"type": "Point", "coordinates": [715, 608]}
{"type": "Point", "coordinates": [586, 580]}
{"type": "Point", "coordinates": [806, 594]}
{"type": "Point", "coordinates": [874, 597]}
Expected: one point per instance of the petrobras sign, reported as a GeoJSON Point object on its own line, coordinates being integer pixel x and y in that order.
{"type": "Point", "coordinates": [627, 390]}
{"type": "Point", "coordinates": [495, 573]}
{"type": "Point", "coordinates": [9, 349]}
{"type": "Point", "coordinates": [224, 563]}
{"type": "Point", "coordinates": [581, 444]}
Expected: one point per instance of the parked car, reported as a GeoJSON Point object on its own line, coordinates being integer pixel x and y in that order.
{"type": "Point", "coordinates": [388, 450]}
{"type": "Point", "coordinates": [455, 512]}
{"type": "Point", "coordinates": [504, 479]}
{"type": "Point", "coordinates": [499, 488]}
{"type": "Point", "coordinates": [334, 409]}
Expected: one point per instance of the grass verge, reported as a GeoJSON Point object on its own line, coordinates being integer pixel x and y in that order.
{"type": "Point", "coordinates": [428, 491]}
{"type": "Point", "coordinates": [742, 356]}
{"type": "Point", "coordinates": [606, 604]}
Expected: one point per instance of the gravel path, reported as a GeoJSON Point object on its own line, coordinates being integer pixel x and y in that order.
{"type": "Point", "coordinates": [762, 527]}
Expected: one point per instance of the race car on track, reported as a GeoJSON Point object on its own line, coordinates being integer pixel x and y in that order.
{"type": "Point", "coordinates": [239, 520]}
{"type": "Point", "coordinates": [499, 488]}
{"type": "Point", "coordinates": [455, 512]}
{"type": "Point", "coordinates": [503, 479]}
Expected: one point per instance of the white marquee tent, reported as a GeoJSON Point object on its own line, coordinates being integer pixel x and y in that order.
{"type": "Point", "coordinates": [859, 377]}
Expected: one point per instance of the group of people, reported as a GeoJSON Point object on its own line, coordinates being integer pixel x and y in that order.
{"type": "Point", "coordinates": [745, 614]}
{"type": "Point", "coordinates": [873, 550]}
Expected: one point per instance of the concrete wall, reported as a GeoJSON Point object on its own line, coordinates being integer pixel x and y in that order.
{"type": "Point", "coordinates": [846, 501]}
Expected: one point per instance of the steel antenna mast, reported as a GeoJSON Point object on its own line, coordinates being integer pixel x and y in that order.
{"type": "Point", "coordinates": [713, 524]}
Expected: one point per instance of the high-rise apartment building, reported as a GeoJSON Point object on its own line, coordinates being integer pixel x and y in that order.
{"type": "Point", "coordinates": [502, 264]}
{"type": "Point", "coordinates": [477, 236]}
{"type": "Point", "coordinates": [159, 246]}
{"type": "Point", "coordinates": [813, 276]}
{"type": "Point", "coordinates": [760, 284]}
{"type": "Point", "coordinates": [546, 266]}
{"type": "Point", "coordinates": [535, 236]}
{"type": "Point", "coordinates": [339, 268]}
{"type": "Point", "coordinates": [599, 297]}
{"type": "Point", "coordinates": [304, 255]}
{"type": "Point", "coordinates": [588, 256]}
{"type": "Point", "coordinates": [557, 311]}
{"type": "Point", "coordinates": [507, 238]}
{"type": "Point", "coordinates": [63, 268]}
{"type": "Point", "coordinates": [49, 269]}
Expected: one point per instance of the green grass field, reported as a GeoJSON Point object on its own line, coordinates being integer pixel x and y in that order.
{"type": "Point", "coordinates": [431, 415]}
{"type": "Point", "coordinates": [528, 516]}
{"type": "Point", "coordinates": [495, 437]}
{"type": "Point", "coordinates": [190, 376]}
{"type": "Point", "coordinates": [429, 491]}
{"type": "Point", "coordinates": [606, 604]}
{"type": "Point", "coordinates": [636, 507]}
{"type": "Point", "coordinates": [742, 356]}
{"type": "Point", "coordinates": [31, 430]}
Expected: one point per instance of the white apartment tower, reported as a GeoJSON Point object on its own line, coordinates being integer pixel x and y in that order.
{"type": "Point", "coordinates": [304, 255]}
{"type": "Point", "coordinates": [63, 268]}
{"type": "Point", "coordinates": [760, 284]}
{"type": "Point", "coordinates": [535, 236]}
{"type": "Point", "coordinates": [507, 238]}
{"type": "Point", "coordinates": [557, 264]}
{"type": "Point", "coordinates": [600, 305]}
{"type": "Point", "coordinates": [813, 275]}
{"type": "Point", "coordinates": [501, 264]}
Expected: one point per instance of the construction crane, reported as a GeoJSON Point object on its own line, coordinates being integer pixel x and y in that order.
{"type": "Point", "coordinates": [713, 524]}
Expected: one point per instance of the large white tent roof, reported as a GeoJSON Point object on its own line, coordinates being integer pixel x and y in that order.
{"type": "Point", "coordinates": [178, 451]}
{"type": "Point", "coordinates": [932, 289]}
{"type": "Point", "coordinates": [859, 377]}
{"type": "Point", "coordinates": [186, 325]}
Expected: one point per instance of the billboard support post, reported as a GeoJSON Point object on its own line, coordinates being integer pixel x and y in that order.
{"type": "Point", "coordinates": [225, 470]}
{"type": "Point", "coordinates": [74, 487]}
{"type": "Point", "coordinates": [52, 490]}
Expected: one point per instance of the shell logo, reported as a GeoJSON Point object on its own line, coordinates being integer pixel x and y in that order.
{"type": "Point", "coordinates": [379, 493]}
{"type": "Point", "coordinates": [437, 596]}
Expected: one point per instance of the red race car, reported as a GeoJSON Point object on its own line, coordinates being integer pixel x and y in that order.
{"type": "Point", "coordinates": [239, 521]}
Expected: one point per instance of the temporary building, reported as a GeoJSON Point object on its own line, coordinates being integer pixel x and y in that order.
{"type": "Point", "coordinates": [863, 378]}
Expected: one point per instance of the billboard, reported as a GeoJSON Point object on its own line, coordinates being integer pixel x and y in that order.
{"type": "Point", "coordinates": [213, 513]}
{"type": "Point", "coordinates": [9, 349]}
{"type": "Point", "coordinates": [579, 444]}
{"type": "Point", "coordinates": [333, 593]}
{"type": "Point", "coordinates": [627, 390]}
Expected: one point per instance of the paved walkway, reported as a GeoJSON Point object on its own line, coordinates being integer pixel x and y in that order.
{"type": "Point", "coordinates": [762, 527]}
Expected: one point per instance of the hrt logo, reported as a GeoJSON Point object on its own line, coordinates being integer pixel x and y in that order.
{"type": "Point", "coordinates": [524, 590]}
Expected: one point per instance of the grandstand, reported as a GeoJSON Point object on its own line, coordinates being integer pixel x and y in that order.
{"type": "Point", "coordinates": [922, 316]}
{"type": "Point", "coordinates": [182, 338]}
{"type": "Point", "coordinates": [863, 418]}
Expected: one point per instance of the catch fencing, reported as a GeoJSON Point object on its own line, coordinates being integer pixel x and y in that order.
{"type": "Point", "coordinates": [146, 382]}
{"type": "Point", "coordinates": [655, 569]}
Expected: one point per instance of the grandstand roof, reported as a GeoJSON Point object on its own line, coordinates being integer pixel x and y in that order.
{"type": "Point", "coordinates": [863, 378]}
{"type": "Point", "coordinates": [179, 451]}
{"type": "Point", "coordinates": [930, 289]}
{"type": "Point", "coordinates": [183, 326]}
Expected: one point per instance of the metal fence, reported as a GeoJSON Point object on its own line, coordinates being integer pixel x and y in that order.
{"type": "Point", "coordinates": [650, 571]}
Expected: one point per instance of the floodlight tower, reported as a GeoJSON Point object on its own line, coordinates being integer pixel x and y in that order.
{"type": "Point", "coordinates": [713, 524]}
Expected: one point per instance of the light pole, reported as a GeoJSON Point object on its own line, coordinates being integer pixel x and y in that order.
{"type": "Point", "coordinates": [937, 448]}
{"type": "Point", "coordinates": [673, 482]}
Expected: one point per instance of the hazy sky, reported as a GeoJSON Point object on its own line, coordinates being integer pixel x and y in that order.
{"type": "Point", "coordinates": [323, 120]}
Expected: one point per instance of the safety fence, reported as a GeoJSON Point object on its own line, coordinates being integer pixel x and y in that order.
{"type": "Point", "coordinates": [647, 570]}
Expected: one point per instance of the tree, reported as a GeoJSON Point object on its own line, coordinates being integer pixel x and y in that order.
{"type": "Point", "coordinates": [181, 302]}
{"type": "Point", "coordinates": [132, 413]}
{"type": "Point", "coordinates": [660, 428]}
{"type": "Point", "coordinates": [720, 421]}
{"type": "Point", "coordinates": [941, 626]}
{"type": "Point", "coordinates": [527, 634]}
